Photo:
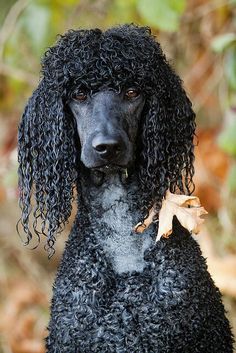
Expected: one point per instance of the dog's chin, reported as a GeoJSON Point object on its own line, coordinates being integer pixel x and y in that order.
{"type": "Point", "coordinates": [100, 173]}
{"type": "Point", "coordinates": [110, 168]}
{"type": "Point", "coordinates": [106, 167]}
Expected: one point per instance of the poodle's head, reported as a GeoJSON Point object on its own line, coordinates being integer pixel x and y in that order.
{"type": "Point", "coordinates": [105, 98]}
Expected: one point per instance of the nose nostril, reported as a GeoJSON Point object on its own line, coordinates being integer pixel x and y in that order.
{"type": "Point", "coordinates": [101, 148]}
{"type": "Point", "coordinates": [107, 148]}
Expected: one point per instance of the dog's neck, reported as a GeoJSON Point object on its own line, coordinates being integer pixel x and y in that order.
{"type": "Point", "coordinates": [114, 208]}
{"type": "Point", "coordinates": [109, 192]}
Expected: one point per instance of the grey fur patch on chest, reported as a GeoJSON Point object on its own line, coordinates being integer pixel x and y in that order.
{"type": "Point", "coordinates": [124, 248]}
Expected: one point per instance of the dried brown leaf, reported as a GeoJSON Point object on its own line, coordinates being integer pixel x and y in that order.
{"type": "Point", "coordinates": [186, 208]}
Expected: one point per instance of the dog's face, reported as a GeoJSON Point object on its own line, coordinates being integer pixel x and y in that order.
{"type": "Point", "coordinates": [110, 121]}
{"type": "Point", "coordinates": [107, 124]}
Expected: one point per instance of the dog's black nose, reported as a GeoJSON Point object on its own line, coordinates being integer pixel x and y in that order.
{"type": "Point", "coordinates": [107, 147]}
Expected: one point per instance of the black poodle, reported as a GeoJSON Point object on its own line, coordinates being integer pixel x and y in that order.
{"type": "Point", "coordinates": [110, 117]}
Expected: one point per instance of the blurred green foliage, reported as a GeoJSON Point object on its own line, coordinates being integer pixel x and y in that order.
{"type": "Point", "coordinates": [226, 45]}
{"type": "Point", "coordinates": [227, 139]}
{"type": "Point", "coordinates": [41, 20]}
{"type": "Point", "coordinates": [164, 15]}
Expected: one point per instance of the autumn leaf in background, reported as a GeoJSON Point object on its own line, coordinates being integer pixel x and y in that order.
{"type": "Point", "coordinates": [186, 208]}
{"type": "Point", "coordinates": [226, 44]}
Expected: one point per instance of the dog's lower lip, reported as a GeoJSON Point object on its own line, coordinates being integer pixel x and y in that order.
{"type": "Point", "coordinates": [110, 169]}
{"type": "Point", "coordinates": [109, 166]}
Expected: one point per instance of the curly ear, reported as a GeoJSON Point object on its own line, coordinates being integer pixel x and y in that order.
{"type": "Point", "coordinates": [167, 140]}
{"type": "Point", "coordinates": [47, 159]}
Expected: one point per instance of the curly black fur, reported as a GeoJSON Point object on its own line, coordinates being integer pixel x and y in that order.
{"type": "Point", "coordinates": [170, 305]}
{"type": "Point", "coordinates": [47, 143]}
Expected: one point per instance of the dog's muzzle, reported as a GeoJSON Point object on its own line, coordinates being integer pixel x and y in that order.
{"type": "Point", "coordinates": [102, 150]}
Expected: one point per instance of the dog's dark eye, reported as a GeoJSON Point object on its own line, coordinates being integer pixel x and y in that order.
{"type": "Point", "coordinates": [131, 93]}
{"type": "Point", "coordinates": [80, 96]}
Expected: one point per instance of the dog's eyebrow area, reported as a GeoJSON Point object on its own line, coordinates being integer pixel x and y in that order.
{"type": "Point", "coordinates": [109, 131]}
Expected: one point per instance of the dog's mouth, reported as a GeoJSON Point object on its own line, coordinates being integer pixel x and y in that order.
{"type": "Point", "coordinates": [98, 174]}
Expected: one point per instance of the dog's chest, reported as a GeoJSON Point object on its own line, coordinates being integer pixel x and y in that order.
{"type": "Point", "coordinates": [117, 217]}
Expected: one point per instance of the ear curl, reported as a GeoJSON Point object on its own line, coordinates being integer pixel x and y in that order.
{"type": "Point", "coordinates": [47, 160]}
{"type": "Point", "coordinates": [167, 142]}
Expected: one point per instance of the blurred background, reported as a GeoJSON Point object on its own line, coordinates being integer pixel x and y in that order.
{"type": "Point", "coordinates": [199, 38]}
